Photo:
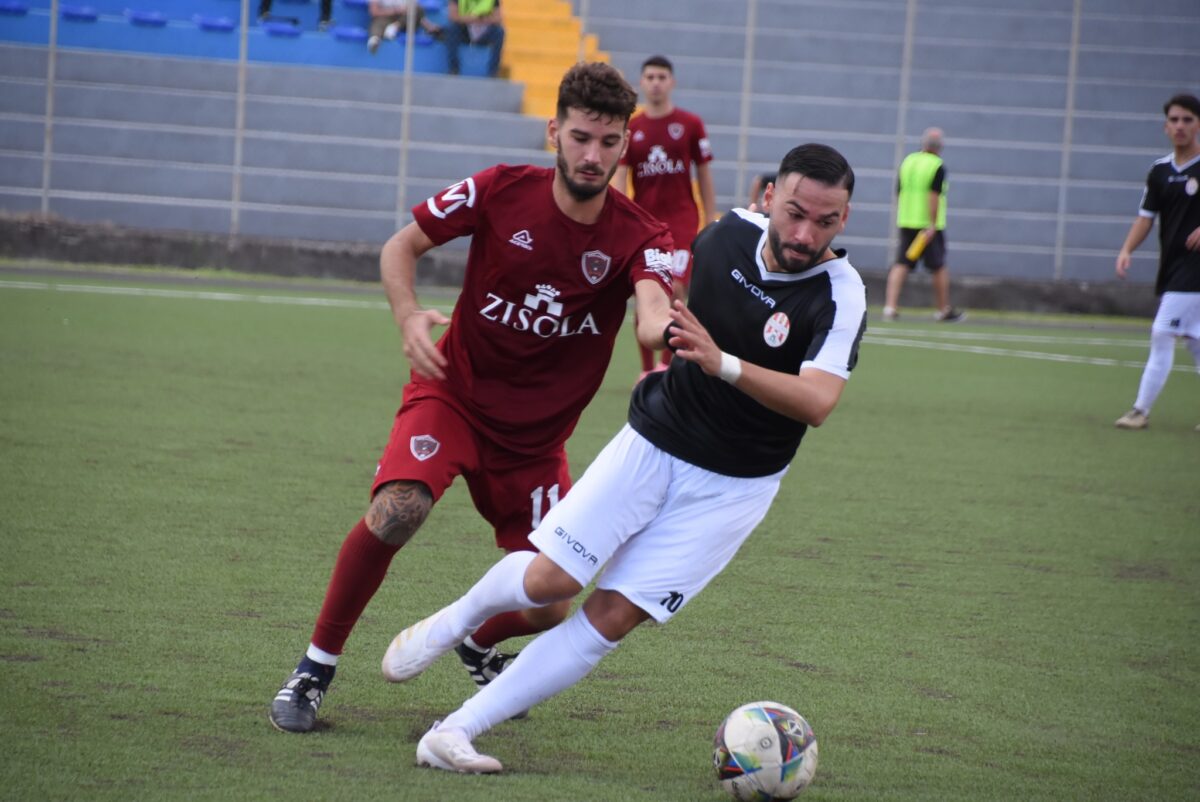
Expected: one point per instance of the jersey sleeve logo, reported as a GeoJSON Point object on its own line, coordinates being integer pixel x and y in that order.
{"type": "Point", "coordinates": [423, 446]}
{"type": "Point", "coordinates": [595, 266]}
{"type": "Point", "coordinates": [660, 262]}
{"type": "Point", "coordinates": [452, 198]}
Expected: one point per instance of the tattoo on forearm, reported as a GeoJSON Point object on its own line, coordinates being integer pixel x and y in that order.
{"type": "Point", "coordinates": [397, 512]}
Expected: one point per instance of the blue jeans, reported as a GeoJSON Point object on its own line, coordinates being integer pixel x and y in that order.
{"type": "Point", "coordinates": [457, 36]}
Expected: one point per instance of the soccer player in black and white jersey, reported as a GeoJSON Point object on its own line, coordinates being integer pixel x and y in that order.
{"type": "Point", "coordinates": [765, 345]}
{"type": "Point", "coordinates": [1173, 195]}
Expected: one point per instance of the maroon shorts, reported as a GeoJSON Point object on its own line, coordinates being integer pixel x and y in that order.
{"type": "Point", "coordinates": [432, 443]}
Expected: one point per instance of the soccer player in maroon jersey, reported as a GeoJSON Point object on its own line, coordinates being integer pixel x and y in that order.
{"type": "Point", "coordinates": [555, 254]}
{"type": "Point", "coordinates": [665, 143]}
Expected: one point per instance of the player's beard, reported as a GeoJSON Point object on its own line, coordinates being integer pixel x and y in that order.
{"type": "Point", "coordinates": [790, 259]}
{"type": "Point", "coordinates": [581, 192]}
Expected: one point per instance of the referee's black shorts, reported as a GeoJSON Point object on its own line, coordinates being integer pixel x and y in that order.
{"type": "Point", "coordinates": [934, 256]}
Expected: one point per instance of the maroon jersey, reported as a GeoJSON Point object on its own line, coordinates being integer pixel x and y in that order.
{"type": "Point", "coordinates": [542, 301]}
{"type": "Point", "coordinates": [660, 158]}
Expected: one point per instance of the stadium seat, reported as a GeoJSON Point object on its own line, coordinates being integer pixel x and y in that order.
{"type": "Point", "coordinates": [148, 19]}
{"type": "Point", "coordinates": [214, 24]}
{"type": "Point", "coordinates": [78, 13]}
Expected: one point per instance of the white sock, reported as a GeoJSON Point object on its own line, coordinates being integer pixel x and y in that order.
{"type": "Point", "coordinates": [1158, 367]}
{"type": "Point", "coordinates": [319, 655]}
{"type": "Point", "coordinates": [501, 590]}
{"type": "Point", "coordinates": [553, 662]}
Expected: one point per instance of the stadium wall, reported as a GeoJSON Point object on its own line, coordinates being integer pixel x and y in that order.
{"type": "Point", "coordinates": [1051, 109]}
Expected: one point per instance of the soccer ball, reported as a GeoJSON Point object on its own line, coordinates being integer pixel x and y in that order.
{"type": "Point", "coordinates": [764, 751]}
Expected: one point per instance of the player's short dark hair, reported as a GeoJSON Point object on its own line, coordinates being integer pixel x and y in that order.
{"type": "Point", "coordinates": [659, 61]}
{"type": "Point", "coordinates": [597, 89]}
{"type": "Point", "coordinates": [1189, 102]}
{"type": "Point", "coordinates": [820, 163]}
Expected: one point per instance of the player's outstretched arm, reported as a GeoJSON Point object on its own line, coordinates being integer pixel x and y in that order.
{"type": "Point", "coordinates": [1137, 234]}
{"type": "Point", "coordinates": [653, 312]}
{"type": "Point", "coordinates": [808, 397]}
{"type": "Point", "coordinates": [398, 271]}
{"type": "Point", "coordinates": [708, 194]}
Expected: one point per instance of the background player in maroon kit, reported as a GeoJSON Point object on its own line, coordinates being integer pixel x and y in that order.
{"type": "Point", "coordinates": [554, 257]}
{"type": "Point", "coordinates": [665, 143]}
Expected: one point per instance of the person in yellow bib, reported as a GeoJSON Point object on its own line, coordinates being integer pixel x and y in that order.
{"type": "Point", "coordinates": [921, 217]}
{"type": "Point", "coordinates": [474, 22]}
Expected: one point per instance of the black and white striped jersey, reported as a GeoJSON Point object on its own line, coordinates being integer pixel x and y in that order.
{"type": "Point", "coordinates": [781, 321]}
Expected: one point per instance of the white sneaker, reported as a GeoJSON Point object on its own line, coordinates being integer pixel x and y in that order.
{"type": "Point", "coordinates": [889, 314]}
{"type": "Point", "coordinates": [372, 44]}
{"type": "Point", "coordinates": [1133, 419]}
{"type": "Point", "coordinates": [409, 653]}
{"type": "Point", "coordinates": [391, 31]}
{"type": "Point", "coordinates": [450, 751]}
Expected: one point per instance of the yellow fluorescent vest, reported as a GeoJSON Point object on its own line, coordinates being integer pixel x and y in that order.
{"type": "Point", "coordinates": [475, 8]}
{"type": "Point", "coordinates": [916, 178]}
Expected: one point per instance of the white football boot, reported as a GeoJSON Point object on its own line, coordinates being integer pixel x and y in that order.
{"type": "Point", "coordinates": [409, 653]}
{"type": "Point", "coordinates": [450, 751]}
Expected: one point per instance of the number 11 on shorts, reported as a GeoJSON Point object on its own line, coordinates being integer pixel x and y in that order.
{"type": "Point", "coordinates": [535, 499]}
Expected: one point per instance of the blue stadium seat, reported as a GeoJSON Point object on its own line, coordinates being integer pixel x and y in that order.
{"type": "Point", "coordinates": [148, 19]}
{"type": "Point", "coordinates": [214, 24]}
{"type": "Point", "coordinates": [78, 13]}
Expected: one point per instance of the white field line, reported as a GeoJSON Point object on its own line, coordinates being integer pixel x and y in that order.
{"type": "Point", "coordinates": [893, 337]}
{"type": "Point", "coordinates": [1046, 339]}
{"type": "Point", "coordinates": [987, 351]}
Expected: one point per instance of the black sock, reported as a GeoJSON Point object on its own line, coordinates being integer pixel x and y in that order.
{"type": "Point", "coordinates": [322, 672]}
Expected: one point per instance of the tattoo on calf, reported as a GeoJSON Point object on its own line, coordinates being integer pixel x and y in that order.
{"type": "Point", "coordinates": [398, 510]}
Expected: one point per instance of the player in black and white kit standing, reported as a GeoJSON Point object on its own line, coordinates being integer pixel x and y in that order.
{"type": "Point", "coordinates": [765, 346]}
{"type": "Point", "coordinates": [1173, 195]}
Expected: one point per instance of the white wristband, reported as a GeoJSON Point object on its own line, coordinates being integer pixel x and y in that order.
{"type": "Point", "coordinates": [731, 368]}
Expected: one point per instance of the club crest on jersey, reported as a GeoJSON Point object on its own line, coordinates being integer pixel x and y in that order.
{"type": "Point", "coordinates": [452, 198]}
{"type": "Point", "coordinates": [775, 332]}
{"type": "Point", "coordinates": [675, 130]}
{"type": "Point", "coordinates": [595, 266]}
{"type": "Point", "coordinates": [1192, 186]}
{"type": "Point", "coordinates": [423, 446]}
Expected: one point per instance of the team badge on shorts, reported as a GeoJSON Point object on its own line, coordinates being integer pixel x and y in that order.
{"type": "Point", "coordinates": [423, 446]}
{"type": "Point", "coordinates": [595, 266]}
{"type": "Point", "coordinates": [775, 333]}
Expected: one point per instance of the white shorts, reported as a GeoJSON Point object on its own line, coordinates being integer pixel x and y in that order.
{"type": "Point", "coordinates": [663, 526]}
{"type": "Point", "coordinates": [1179, 314]}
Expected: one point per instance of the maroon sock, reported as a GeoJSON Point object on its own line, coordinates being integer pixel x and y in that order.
{"type": "Point", "coordinates": [361, 566]}
{"type": "Point", "coordinates": [502, 627]}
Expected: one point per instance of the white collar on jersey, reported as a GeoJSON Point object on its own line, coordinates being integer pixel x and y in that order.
{"type": "Point", "coordinates": [1179, 168]}
{"type": "Point", "coordinates": [760, 220]}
